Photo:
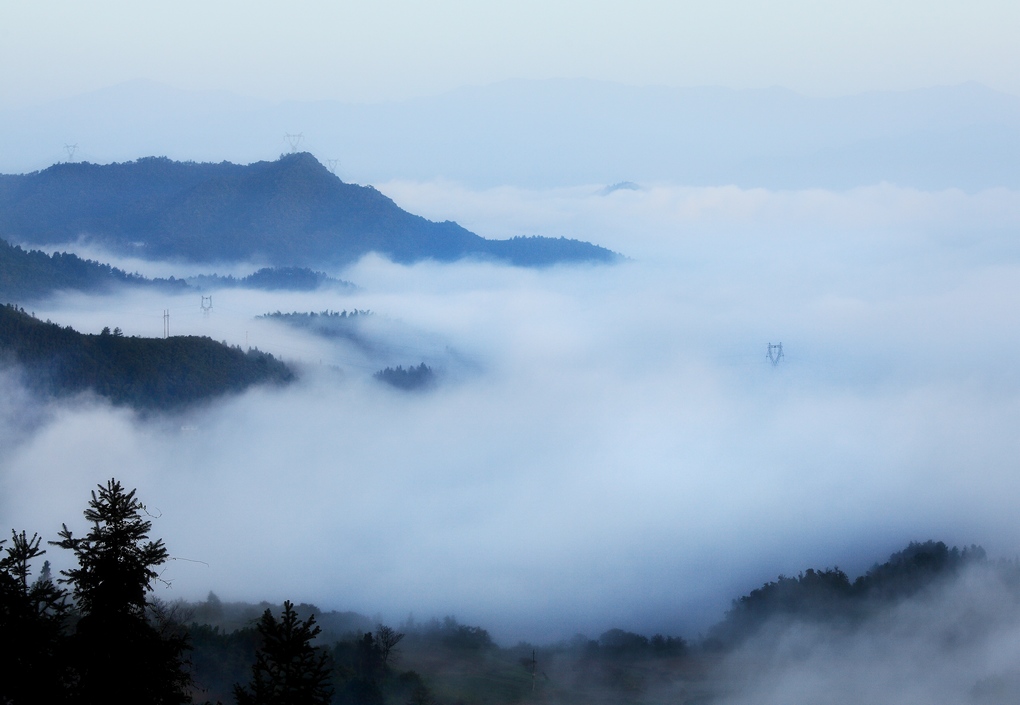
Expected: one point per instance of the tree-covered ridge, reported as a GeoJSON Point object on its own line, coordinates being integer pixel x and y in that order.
{"type": "Point", "coordinates": [272, 279]}
{"type": "Point", "coordinates": [27, 275]}
{"type": "Point", "coordinates": [829, 594]}
{"type": "Point", "coordinates": [291, 212]}
{"type": "Point", "coordinates": [147, 373]}
{"type": "Point", "coordinates": [328, 324]}
{"type": "Point", "coordinates": [31, 274]}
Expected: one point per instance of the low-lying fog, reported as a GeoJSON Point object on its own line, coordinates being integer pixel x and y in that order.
{"type": "Point", "coordinates": [608, 446]}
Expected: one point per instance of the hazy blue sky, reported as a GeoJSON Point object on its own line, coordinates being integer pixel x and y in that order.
{"type": "Point", "coordinates": [387, 49]}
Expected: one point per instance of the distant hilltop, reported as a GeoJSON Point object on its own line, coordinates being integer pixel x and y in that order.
{"type": "Point", "coordinates": [289, 212]}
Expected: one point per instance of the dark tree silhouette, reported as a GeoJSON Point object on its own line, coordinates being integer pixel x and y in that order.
{"type": "Point", "coordinates": [119, 653]}
{"type": "Point", "coordinates": [288, 669]}
{"type": "Point", "coordinates": [387, 638]}
{"type": "Point", "coordinates": [32, 618]}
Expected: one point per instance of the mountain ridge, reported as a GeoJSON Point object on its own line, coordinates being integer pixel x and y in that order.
{"type": "Point", "coordinates": [289, 212]}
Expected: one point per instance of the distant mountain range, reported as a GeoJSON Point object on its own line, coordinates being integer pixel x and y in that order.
{"type": "Point", "coordinates": [559, 132]}
{"type": "Point", "coordinates": [291, 212]}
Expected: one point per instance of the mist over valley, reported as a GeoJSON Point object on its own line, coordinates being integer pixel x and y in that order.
{"type": "Point", "coordinates": [598, 432]}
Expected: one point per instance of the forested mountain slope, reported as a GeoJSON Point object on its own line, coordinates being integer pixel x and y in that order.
{"type": "Point", "coordinates": [30, 274]}
{"type": "Point", "coordinates": [147, 373]}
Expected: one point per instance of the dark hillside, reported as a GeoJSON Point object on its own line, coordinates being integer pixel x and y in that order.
{"type": "Point", "coordinates": [28, 275]}
{"type": "Point", "coordinates": [291, 212]}
{"type": "Point", "coordinates": [147, 373]}
{"type": "Point", "coordinates": [828, 595]}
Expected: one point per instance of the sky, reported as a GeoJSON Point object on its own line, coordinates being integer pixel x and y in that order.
{"type": "Point", "coordinates": [395, 49]}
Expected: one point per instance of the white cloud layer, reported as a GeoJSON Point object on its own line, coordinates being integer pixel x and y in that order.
{"type": "Point", "coordinates": [609, 446]}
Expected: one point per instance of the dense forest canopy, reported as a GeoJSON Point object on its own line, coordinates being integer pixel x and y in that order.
{"type": "Point", "coordinates": [291, 212]}
{"type": "Point", "coordinates": [148, 373]}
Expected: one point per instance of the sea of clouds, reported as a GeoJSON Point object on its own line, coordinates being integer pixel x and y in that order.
{"type": "Point", "coordinates": [608, 445]}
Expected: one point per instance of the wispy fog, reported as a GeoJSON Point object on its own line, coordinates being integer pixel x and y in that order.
{"type": "Point", "coordinates": [608, 445]}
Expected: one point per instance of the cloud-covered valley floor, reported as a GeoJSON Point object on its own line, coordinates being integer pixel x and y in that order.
{"type": "Point", "coordinates": [608, 445]}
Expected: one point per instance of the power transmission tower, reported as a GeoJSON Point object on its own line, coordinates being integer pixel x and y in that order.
{"type": "Point", "coordinates": [532, 666]}
{"type": "Point", "coordinates": [166, 323]}
{"type": "Point", "coordinates": [293, 140]}
{"type": "Point", "coordinates": [206, 308]}
{"type": "Point", "coordinates": [70, 149]}
{"type": "Point", "coordinates": [332, 164]}
{"type": "Point", "coordinates": [775, 353]}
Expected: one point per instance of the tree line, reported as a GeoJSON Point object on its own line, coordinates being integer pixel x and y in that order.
{"type": "Point", "coordinates": [95, 633]}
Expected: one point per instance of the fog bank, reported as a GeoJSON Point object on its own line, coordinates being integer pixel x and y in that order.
{"type": "Point", "coordinates": [608, 445]}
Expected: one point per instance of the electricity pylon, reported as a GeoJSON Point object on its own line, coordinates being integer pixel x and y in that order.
{"type": "Point", "coordinates": [775, 353]}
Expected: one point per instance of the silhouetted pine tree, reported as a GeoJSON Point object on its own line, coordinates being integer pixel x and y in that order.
{"type": "Point", "coordinates": [119, 655]}
{"type": "Point", "coordinates": [32, 618]}
{"type": "Point", "coordinates": [288, 670]}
